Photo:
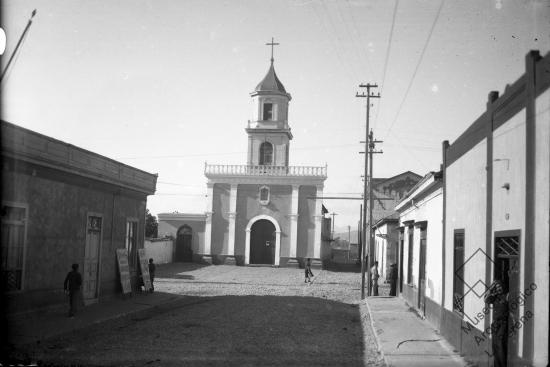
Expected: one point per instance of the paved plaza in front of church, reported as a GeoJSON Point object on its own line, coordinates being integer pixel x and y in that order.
{"type": "Point", "coordinates": [232, 316]}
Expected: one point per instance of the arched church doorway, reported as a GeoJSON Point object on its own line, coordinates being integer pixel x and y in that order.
{"type": "Point", "coordinates": [184, 241]}
{"type": "Point", "coordinates": [262, 242]}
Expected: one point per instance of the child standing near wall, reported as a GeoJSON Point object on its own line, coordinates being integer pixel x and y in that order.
{"type": "Point", "coordinates": [152, 268]}
{"type": "Point", "coordinates": [308, 271]}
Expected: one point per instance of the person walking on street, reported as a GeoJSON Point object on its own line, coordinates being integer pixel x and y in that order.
{"type": "Point", "coordinates": [393, 280]}
{"type": "Point", "coordinates": [375, 276]}
{"type": "Point", "coordinates": [498, 297]}
{"type": "Point", "coordinates": [152, 269]}
{"type": "Point", "coordinates": [308, 271]}
{"type": "Point", "coordinates": [72, 284]}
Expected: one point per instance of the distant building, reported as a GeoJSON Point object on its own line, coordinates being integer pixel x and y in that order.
{"type": "Point", "coordinates": [389, 191]}
{"type": "Point", "coordinates": [386, 244]}
{"type": "Point", "coordinates": [62, 205]}
{"type": "Point", "coordinates": [264, 212]}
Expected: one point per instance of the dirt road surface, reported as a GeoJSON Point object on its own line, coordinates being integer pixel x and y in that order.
{"type": "Point", "coordinates": [231, 316]}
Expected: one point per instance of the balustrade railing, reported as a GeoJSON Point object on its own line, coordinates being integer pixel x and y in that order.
{"type": "Point", "coordinates": [245, 170]}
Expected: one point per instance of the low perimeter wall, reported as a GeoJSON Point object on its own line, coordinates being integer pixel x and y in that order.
{"type": "Point", "coordinates": [160, 250]}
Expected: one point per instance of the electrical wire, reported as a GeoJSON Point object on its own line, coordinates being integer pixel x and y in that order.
{"type": "Point", "coordinates": [417, 67]}
{"type": "Point", "coordinates": [386, 59]}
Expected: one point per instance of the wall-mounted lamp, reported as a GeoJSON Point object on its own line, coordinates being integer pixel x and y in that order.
{"type": "Point", "coordinates": [506, 186]}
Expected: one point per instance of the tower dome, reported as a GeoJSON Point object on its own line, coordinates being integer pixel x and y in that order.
{"type": "Point", "coordinates": [271, 83]}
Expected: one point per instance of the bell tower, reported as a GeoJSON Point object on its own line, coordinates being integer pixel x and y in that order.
{"type": "Point", "coordinates": [268, 132]}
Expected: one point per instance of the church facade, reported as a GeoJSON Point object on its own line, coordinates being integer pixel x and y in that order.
{"type": "Point", "coordinates": [262, 212]}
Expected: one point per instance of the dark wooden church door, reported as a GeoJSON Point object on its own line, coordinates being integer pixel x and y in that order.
{"type": "Point", "coordinates": [184, 251]}
{"type": "Point", "coordinates": [262, 242]}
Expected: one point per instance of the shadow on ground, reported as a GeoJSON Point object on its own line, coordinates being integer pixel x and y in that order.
{"type": "Point", "coordinates": [343, 268]}
{"type": "Point", "coordinates": [177, 270]}
{"type": "Point", "coordinates": [216, 331]}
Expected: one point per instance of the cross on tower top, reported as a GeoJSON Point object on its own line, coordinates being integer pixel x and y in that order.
{"type": "Point", "coordinates": [272, 44]}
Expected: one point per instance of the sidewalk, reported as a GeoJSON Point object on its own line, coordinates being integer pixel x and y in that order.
{"type": "Point", "coordinates": [406, 340]}
{"type": "Point", "coordinates": [36, 326]}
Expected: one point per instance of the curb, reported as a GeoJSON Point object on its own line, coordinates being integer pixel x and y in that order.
{"type": "Point", "coordinates": [378, 344]}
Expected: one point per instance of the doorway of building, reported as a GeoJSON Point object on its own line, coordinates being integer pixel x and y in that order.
{"type": "Point", "coordinates": [262, 242]}
{"type": "Point", "coordinates": [507, 269]}
{"type": "Point", "coordinates": [401, 245]}
{"type": "Point", "coordinates": [422, 273]}
{"type": "Point", "coordinates": [184, 242]}
{"type": "Point", "coordinates": [91, 259]}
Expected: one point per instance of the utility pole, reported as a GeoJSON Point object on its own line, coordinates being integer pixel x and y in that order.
{"type": "Point", "coordinates": [367, 183]}
{"type": "Point", "coordinates": [18, 44]}
{"type": "Point", "coordinates": [360, 234]}
{"type": "Point", "coordinates": [372, 145]}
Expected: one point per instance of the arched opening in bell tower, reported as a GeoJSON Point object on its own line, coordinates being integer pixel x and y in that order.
{"type": "Point", "coordinates": [266, 154]}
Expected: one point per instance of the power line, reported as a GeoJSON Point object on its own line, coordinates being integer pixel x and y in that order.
{"type": "Point", "coordinates": [354, 23]}
{"type": "Point", "coordinates": [417, 66]}
{"type": "Point", "coordinates": [177, 184]}
{"type": "Point", "coordinates": [337, 50]}
{"type": "Point", "coordinates": [351, 36]}
{"type": "Point", "coordinates": [387, 57]}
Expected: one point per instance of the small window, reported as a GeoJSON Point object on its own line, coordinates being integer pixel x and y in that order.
{"type": "Point", "coordinates": [264, 195]}
{"type": "Point", "coordinates": [266, 154]}
{"type": "Point", "coordinates": [13, 242]}
{"type": "Point", "coordinates": [458, 267]}
{"type": "Point", "coordinates": [268, 111]}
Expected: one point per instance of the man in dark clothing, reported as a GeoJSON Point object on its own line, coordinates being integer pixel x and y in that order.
{"type": "Point", "coordinates": [152, 269]}
{"type": "Point", "coordinates": [72, 284]}
{"type": "Point", "coordinates": [393, 280]}
{"type": "Point", "coordinates": [498, 297]}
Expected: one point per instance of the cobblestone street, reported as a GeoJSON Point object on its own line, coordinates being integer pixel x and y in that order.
{"type": "Point", "coordinates": [231, 316]}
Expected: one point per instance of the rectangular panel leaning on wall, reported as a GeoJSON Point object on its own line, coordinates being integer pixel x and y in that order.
{"type": "Point", "coordinates": [466, 209]}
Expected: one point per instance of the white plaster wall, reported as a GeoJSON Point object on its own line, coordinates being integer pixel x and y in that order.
{"type": "Point", "coordinates": [542, 222]}
{"type": "Point", "coordinates": [160, 251]}
{"type": "Point", "coordinates": [429, 209]}
{"type": "Point", "coordinates": [509, 205]}
{"type": "Point", "coordinates": [166, 229]}
{"type": "Point", "coordinates": [466, 209]}
{"type": "Point", "coordinates": [509, 147]}
{"type": "Point", "coordinates": [405, 253]}
{"type": "Point", "coordinates": [416, 256]}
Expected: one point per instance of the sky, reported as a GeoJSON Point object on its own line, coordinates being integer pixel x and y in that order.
{"type": "Point", "coordinates": [164, 85]}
